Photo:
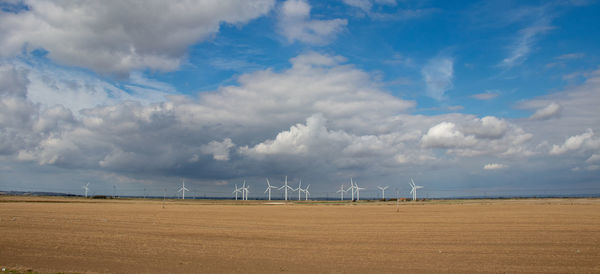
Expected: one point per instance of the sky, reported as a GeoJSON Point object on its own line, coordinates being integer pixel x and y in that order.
{"type": "Point", "coordinates": [468, 98]}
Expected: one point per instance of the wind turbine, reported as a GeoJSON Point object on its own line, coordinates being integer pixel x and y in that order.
{"type": "Point", "coordinates": [183, 190]}
{"type": "Point", "coordinates": [86, 187]}
{"type": "Point", "coordinates": [269, 187]}
{"type": "Point", "coordinates": [341, 191]}
{"type": "Point", "coordinates": [299, 189]}
{"type": "Point", "coordinates": [414, 189]}
{"type": "Point", "coordinates": [245, 191]}
{"type": "Point", "coordinates": [306, 193]}
{"type": "Point", "coordinates": [285, 188]}
{"type": "Point", "coordinates": [358, 189]}
{"type": "Point", "coordinates": [383, 191]}
{"type": "Point", "coordinates": [236, 191]}
{"type": "Point", "coordinates": [351, 188]}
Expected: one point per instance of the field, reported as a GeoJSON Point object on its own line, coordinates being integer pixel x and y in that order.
{"type": "Point", "coordinates": [84, 235]}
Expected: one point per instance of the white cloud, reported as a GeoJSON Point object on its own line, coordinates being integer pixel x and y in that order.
{"type": "Point", "coordinates": [320, 116]}
{"type": "Point", "coordinates": [582, 141]}
{"type": "Point", "coordinates": [521, 48]}
{"type": "Point", "coordinates": [550, 111]}
{"type": "Point", "coordinates": [300, 139]}
{"type": "Point", "coordinates": [570, 56]}
{"type": "Point", "coordinates": [578, 110]}
{"type": "Point", "coordinates": [595, 158]}
{"type": "Point", "coordinates": [117, 37]}
{"type": "Point", "coordinates": [494, 166]}
{"type": "Point", "coordinates": [50, 85]}
{"type": "Point", "coordinates": [219, 150]}
{"type": "Point", "coordinates": [446, 135]}
{"type": "Point", "coordinates": [296, 25]}
{"type": "Point", "coordinates": [488, 127]}
{"type": "Point", "coordinates": [488, 95]}
{"type": "Point", "coordinates": [470, 137]}
{"type": "Point", "coordinates": [364, 5]}
{"type": "Point", "coordinates": [438, 74]}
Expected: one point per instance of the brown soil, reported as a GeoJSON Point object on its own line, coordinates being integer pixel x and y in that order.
{"type": "Point", "coordinates": [83, 235]}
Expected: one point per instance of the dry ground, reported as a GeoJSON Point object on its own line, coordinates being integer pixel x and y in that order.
{"type": "Point", "coordinates": [79, 235]}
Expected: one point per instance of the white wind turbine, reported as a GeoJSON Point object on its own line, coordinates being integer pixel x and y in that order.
{"type": "Point", "coordinates": [358, 189]}
{"type": "Point", "coordinates": [351, 188]}
{"type": "Point", "coordinates": [269, 187]}
{"type": "Point", "coordinates": [414, 189]}
{"type": "Point", "coordinates": [236, 191]}
{"type": "Point", "coordinates": [245, 191]}
{"type": "Point", "coordinates": [383, 191]}
{"type": "Point", "coordinates": [299, 189]}
{"type": "Point", "coordinates": [87, 188]}
{"type": "Point", "coordinates": [285, 187]}
{"type": "Point", "coordinates": [183, 190]}
{"type": "Point", "coordinates": [341, 191]}
{"type": "Point", "coordinates": [306, 193]}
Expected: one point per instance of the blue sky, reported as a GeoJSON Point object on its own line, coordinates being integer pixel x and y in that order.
{"type": "Point", "coordinates": [468, 97]}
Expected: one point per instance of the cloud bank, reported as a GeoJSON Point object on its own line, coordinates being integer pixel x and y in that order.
{"type": "Point", "coordinates": [117, 37]}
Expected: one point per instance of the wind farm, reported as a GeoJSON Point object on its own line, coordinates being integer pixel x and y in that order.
{"type": "Point", "coordinates": [306, 233]}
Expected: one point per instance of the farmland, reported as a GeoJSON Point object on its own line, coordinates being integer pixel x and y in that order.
{"type": "Point", "coordinates": [85, 235]}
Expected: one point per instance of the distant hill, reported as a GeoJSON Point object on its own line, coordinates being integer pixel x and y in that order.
{"type": "Point", "coordinates": [36, 193]}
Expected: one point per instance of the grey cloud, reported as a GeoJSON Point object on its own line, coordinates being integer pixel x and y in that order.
{"type": "Point", "coordinates": [219, 150]}
{"type": "Point", "coordinates": [320, 119]}
{"type": "Point", "coordinates": [120, 36]}
{"type": "Point", "coordinates": [550, 111]}
{"type": "Point", "coordinates": [586, 140]}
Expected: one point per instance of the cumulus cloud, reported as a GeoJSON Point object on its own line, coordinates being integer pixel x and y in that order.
{"type": "Point", "coordinates": [219, 150]}
{"type": "Point", "coordinates": [117, 37]}
{"type": "Point", "coordinates": [321, 117]}
{"type": "Point", "coordinates": [595, 158]}
{"type": "Point", "coordinates": [488, 127]}
{"type": "Point", "coordinates": [300, 139]}
{"type": "Point", "coordinates": [550, 111]}
{"type": "Point", "coordinates": [296, 25]}
{"type": "Point", "coordinates": [576, 106]}
{"type": "Point", "coordinates": [494, 166]}
{"type": "Point", "coordinates": [585, 140]}
{"type": "Point", "coordinates": [469, 137]}
{"type": "Point", "coordinates": [438, 74]}
{"type": "Point", "coordinates": [315, 142]}
{"type": "Point", "coordinates": [446, 135]}
{"type": "Point", "coordinates": [177, 133]}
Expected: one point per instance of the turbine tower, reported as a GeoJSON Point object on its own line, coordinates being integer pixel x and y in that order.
{"type": "Point", "coordinates": [414, 189]}
{"type": "Point", "coordinates": [358, 189]}
{"type": "Point", "coordinates": [183, 190]}
{"type": "Point", "coordinates": [269, 187]}
{"type": "Point", "coordinates": [341, 191]}
{"type": "Point", "coordinates": [351, 188]}
{"type": "Point", "coordinates": [285, 187]}
{"type": "Point", "coordinates": [383, 191]}
{"type": "Point", "coordinates": [306, 193]}
{"type": "Point", "coordinates": [299, 189]}
{"type": "Point", "coordinates": [236, 191]}
{"type": "Point", "coordinates": [87, 188]}
{"type": "Point", "coordinates": [245, 191]}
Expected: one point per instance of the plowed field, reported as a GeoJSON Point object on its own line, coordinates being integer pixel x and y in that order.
{"type": "Point", "coordinates": [132, 236]}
